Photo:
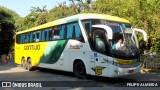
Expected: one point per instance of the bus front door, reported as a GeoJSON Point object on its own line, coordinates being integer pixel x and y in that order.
{"type": "Point", "coordinates": [100, 48]}
{"type": "Point", "coordinates": [101, 33]}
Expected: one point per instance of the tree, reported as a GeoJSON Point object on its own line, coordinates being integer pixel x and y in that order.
{"type": "Point", "coordinates": [7, 29]}
{"type": "Point", "coordinates": [82, 6]}
{"type": "Point", "coordinates": [143, 14]}
{"type": "Point", "coordinates": [39, 10]}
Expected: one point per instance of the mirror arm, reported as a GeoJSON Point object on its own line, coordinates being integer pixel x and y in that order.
{"type": "Point", "coordinates": [141, 31]}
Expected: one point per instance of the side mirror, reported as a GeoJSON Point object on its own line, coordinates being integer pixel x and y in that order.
{"type": "Point", "coordinates": [141, 31]}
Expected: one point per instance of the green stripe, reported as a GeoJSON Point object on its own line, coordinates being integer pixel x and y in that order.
{"type": "Point", "coordinates": [53, 51]}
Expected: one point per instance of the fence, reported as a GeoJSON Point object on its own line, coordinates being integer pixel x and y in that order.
{"type": "Point", "coordinates": [151, 61]}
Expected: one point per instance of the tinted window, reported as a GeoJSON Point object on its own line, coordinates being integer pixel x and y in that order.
{"type": "Point", "coordinates": [56, 32]}
{"type": "Point", "coordinates": [62, 32]}
{"type": "Point", "coordinates": [22, 38]}
{"type": "Point", "coordinates": [69, 30]}
{"type": "Point", "coordinates": [27, 37]}
{"type": "Point", "coordinates": [100, 40]}
{"type": "Point", "coordinates": [43, 35]}
{"type": "Point", "coordinates": [18, 39]}
{"type": "Point", "coordinates": [31, 36]}
{"type": "Point", "coordinates": [78, 33]}
{"type": "Point", "coordinates": [46, 35]}
{"type": "Point", "coordinates": [73, 31]}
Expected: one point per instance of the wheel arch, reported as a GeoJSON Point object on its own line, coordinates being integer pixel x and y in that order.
{"type": "Point", "coordinates": [83, 61]}
{"type": "Point", "coordinates": [28, 58]}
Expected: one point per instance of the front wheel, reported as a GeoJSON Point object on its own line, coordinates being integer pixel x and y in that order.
{"type": "Point", "coordinates": [80, 70]}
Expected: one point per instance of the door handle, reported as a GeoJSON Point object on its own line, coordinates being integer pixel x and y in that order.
{"type": "Point", "coordinates": [96, 59]}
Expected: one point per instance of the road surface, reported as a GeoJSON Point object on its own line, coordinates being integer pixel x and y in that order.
{"type": "Point", "coordinates": [13, 72]}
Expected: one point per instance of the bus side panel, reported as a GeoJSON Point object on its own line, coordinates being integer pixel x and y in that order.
{"type": "Point", "coordinates": [52, 54]}
{"type": "Point", "coordinates": [75, 50]}
{"type": "Point", "coordinates": [31, 50]}
{"type": "Point", "coordinates": [17, 57]}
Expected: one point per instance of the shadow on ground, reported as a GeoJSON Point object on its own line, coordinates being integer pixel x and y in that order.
{"type": "Point", "coordinates": [101, 80]}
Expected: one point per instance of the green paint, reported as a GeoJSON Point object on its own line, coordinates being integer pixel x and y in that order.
{"type": "Point", "coordinates": [72, 20]}
{"type": "Point", "coordinates": [53, 51]}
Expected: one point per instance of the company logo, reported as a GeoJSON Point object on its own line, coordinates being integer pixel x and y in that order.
{"type": "Point", "coordinates": [21, 84]}
{"type": "Point", "coordinates": [6, 84]}
{"type": "Point", "coordinates": [98, 70]}
{"type": "Point", "coordinates": [32, 47]}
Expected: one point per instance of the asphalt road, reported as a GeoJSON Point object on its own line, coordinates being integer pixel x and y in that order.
{"type": "Point", "coordinates": [13, 72]}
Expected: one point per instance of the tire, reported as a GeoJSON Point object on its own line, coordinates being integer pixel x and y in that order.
{"type": "Point", "coordinates": [23, 63]}
{"type": "Point", "coordinates": [29, 66]}
{"type": "Point", "coordinates": [79, 70]}
{"type": "Point", "coordinates": [41, 69]}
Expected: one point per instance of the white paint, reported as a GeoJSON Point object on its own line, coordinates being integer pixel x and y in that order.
{"type": "Point", "coordinates": [107, 28]}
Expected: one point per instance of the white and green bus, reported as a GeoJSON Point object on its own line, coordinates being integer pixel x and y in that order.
{"type": "Point", "coordinates": [84, 44]}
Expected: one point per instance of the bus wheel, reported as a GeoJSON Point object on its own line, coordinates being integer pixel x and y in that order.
{"type": "Point", "coordinates": [29, 65]}
{"type": "Point", "coordinates": [79, 70]}
{"type": "Point", "coordinates": [23, 63]}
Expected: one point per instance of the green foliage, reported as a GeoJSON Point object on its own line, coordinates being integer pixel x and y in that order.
{"type": "Point", "coordinates": [144, 14]}
{"type": "Point", "coordinates": [7, 29]}
{"type": "Point", "coordinates": [37, 17]}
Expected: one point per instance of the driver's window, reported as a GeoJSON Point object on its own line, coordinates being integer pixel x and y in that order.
{"type": "Point", "coordinates": [99, 38]}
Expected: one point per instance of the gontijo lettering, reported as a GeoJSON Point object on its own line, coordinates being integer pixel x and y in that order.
{"type": "Point", "coordinates": [32, 47]}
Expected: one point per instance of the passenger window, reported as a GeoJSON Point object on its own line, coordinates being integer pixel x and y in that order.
{"type": "Point", "coordinates": [27, 37]}
{"type": "Point", "coordinates": [88, 27]}
{"type": "Point", "coordinates": [100, 38]}
{"type": "Point", "coordinates": [31, 37]}
{"type": "Point", "coordinates": [62, 32]}
{"type": "Point", "coordinates": [18, 39]}
{"type": "Point", "coordinates": [22, 38]}
{"type": "Point", "coordinates": [46, 35]}
{"type": "Point", "coordinates": [78, 33]}
{"type": "Point", "coordinates": [69, 31]}
{"type": "Point", "coordinates": [51, 32]}
{"type": "Point", "coordinates": [43, 36]}
{"type": "Point", "coordinates": [34, 37]}
{"type": "Point", "coordinates": [38, 36]}
{"type": "Point", "coordinates": [56, 33]}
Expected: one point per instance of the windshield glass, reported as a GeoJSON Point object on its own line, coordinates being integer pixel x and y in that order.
{"type": "Point", "coordinates": [122, 44]}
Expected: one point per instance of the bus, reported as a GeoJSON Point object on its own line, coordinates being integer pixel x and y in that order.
{"type": "Point", "coordinates": [84, 44]}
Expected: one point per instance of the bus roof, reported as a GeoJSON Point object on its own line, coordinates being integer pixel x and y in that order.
{"type": "Point", "coordinates": [76, 18]}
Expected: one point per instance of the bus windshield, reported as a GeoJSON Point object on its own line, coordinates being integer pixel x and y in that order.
{"type": "Point", "coordinates": [122, 45]}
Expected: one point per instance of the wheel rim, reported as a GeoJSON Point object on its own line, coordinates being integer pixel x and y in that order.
{"type": "Point", "coordinates": [81, 70]}
{"type": "Point", "coordinates": [29, 65]}
{"type": "Point", "coordinates": [23, 63]}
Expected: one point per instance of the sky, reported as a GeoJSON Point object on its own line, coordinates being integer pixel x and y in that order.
{"type": "Point", "coordinates": [22, 7]}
